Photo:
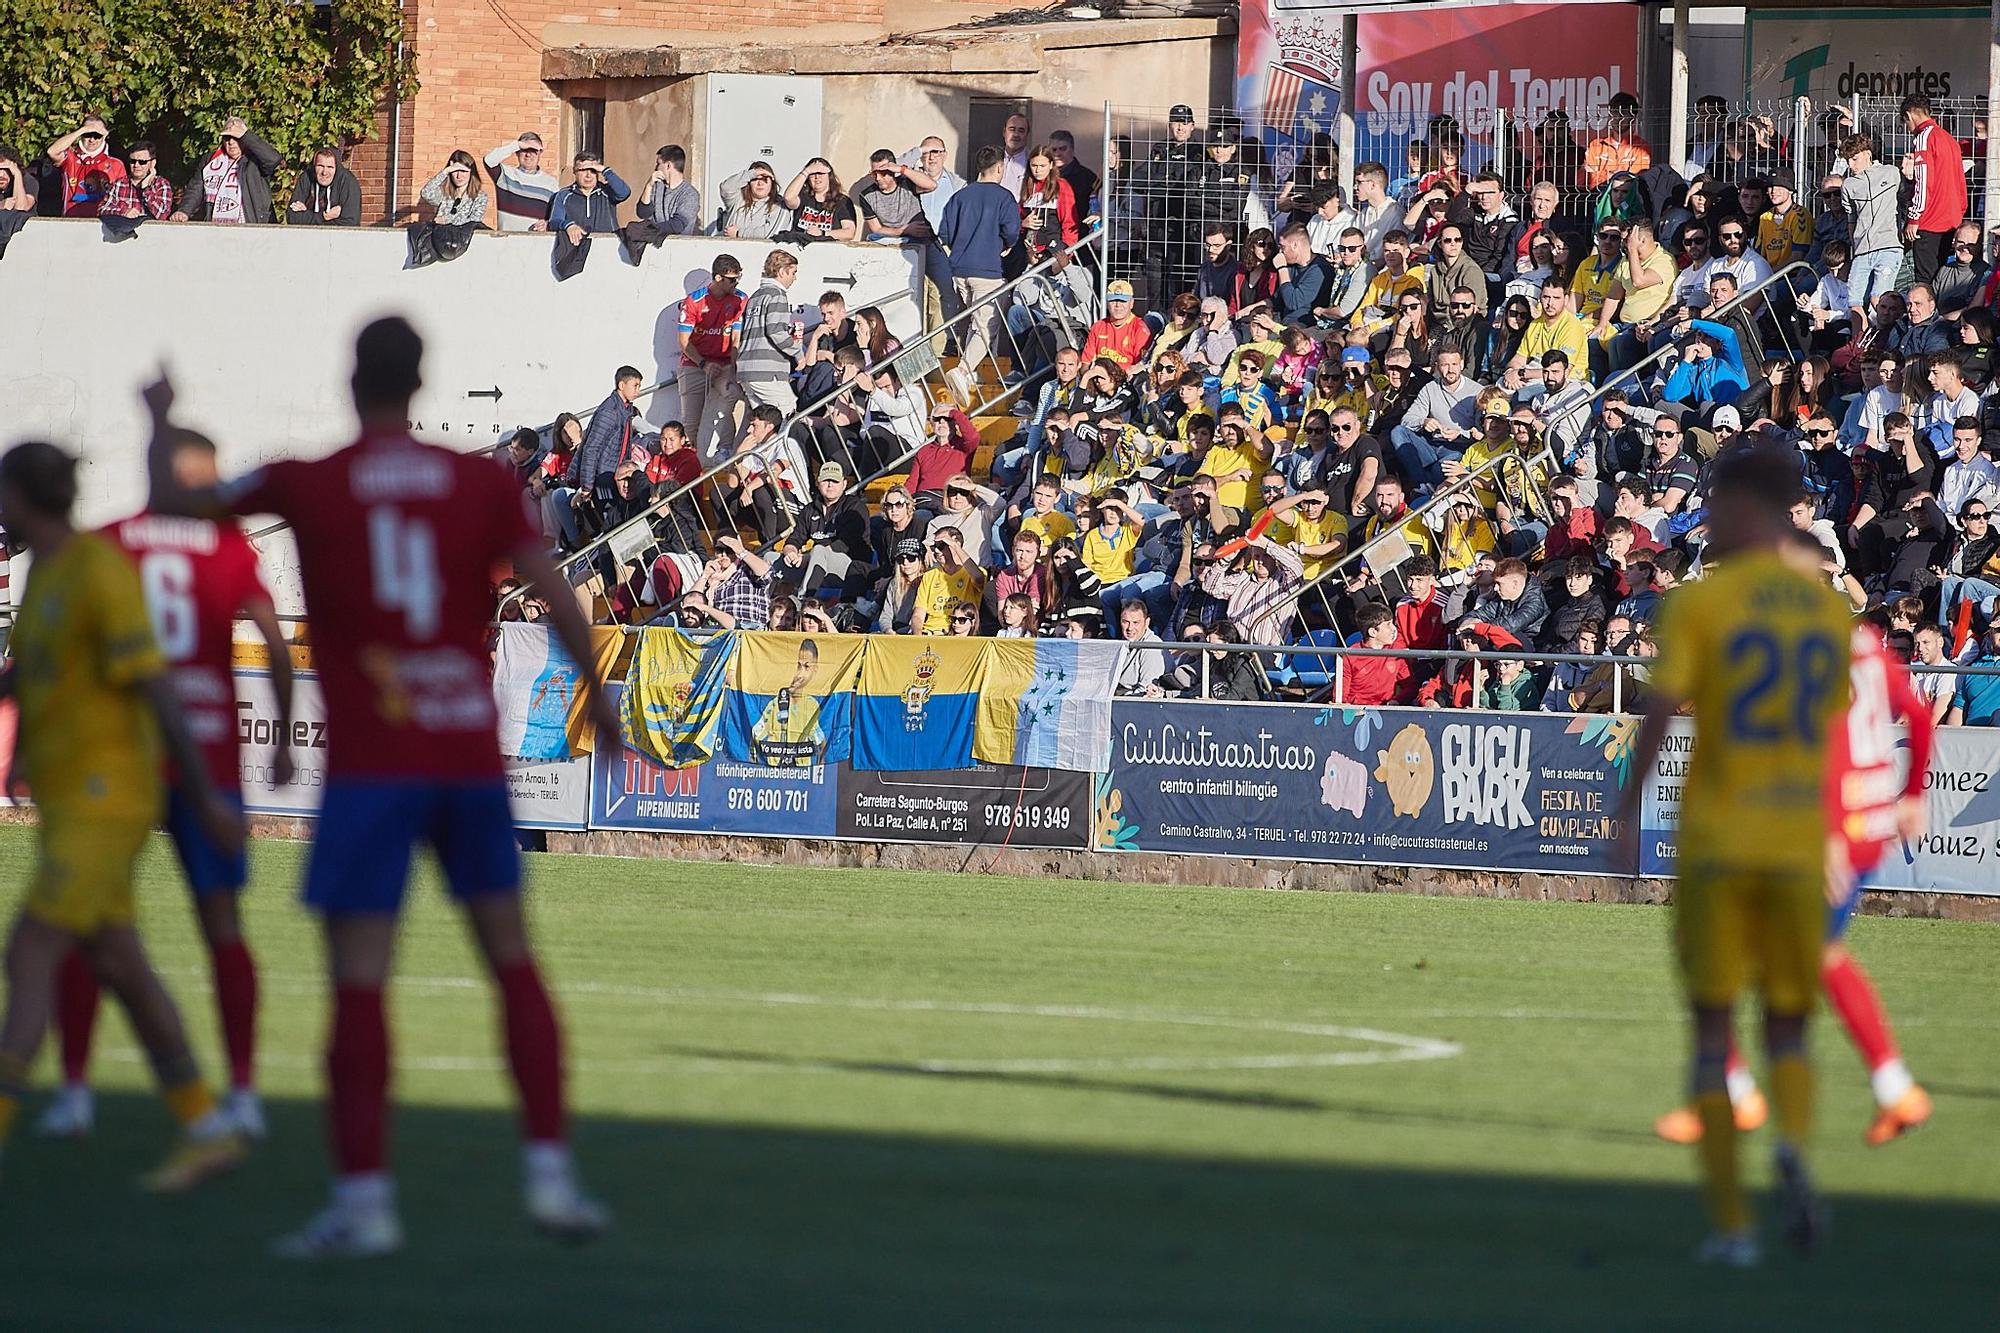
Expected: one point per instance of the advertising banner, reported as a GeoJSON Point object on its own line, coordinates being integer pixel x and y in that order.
{"type": "Point", "coordinates": [630, 791]}
{"type": "Point", "coordinates": [985, 804]}
{"type": "Point", "coordinates": [1459, 61]}
{"type": "Point", "coordinates": [258, 730]}
{"type": "Point", "coordinates": [1842, 52]}
{"type": "Point", "coordinates": [1475, 791]}
{"type": "Point", "coordinates": [550, 795]}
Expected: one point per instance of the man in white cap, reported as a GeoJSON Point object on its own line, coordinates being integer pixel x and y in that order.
{"type": "Point", "coordinates": [522, 187]}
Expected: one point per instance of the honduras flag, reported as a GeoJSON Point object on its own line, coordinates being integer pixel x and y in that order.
{"type": "Point", "coordinates": [1046, 703]}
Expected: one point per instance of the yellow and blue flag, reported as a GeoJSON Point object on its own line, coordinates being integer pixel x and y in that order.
{"type": "Point", "coordinates": [1046, 703]}
{"type": "Point", "coordinates": [791, 699]}
{"type": "Point", "coordinates": [915, 705]}
{"type": "Point", "coordinates": [658, 685]}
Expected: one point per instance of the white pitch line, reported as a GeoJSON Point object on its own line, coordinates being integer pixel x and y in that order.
{"type": "Point", "coordinates": [1388, 1047]}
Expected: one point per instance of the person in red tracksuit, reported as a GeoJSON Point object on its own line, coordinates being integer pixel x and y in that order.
{"type": "Point", "coordinates": [1936, 169]}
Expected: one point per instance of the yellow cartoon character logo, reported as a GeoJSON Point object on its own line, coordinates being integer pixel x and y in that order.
{"type": "Point", "coordinates": [1407, 769]}
{"type": "Point", "coordinates": [917, 694]}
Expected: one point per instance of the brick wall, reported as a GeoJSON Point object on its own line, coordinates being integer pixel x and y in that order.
{"type": "Point", "coordinates": [479, 65]}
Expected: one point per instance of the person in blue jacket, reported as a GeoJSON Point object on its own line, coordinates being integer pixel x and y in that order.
{"type": "Point", "coordinates": [1711, 367]}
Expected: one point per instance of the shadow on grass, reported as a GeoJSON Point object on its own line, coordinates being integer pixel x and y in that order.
{"type": "Point", "coordinates": [728, 1226]}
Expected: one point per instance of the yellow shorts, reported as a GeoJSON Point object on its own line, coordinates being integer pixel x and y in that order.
{"type": "Point", "coordinates": [84, 880]}
{"type": "Point", "coordinates": [1737, 928]}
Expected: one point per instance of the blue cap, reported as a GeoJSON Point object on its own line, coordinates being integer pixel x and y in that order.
{"type": "Point", "coordinates": [1354, 356]}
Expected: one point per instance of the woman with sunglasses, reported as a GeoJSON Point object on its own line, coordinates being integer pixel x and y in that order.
{"type": "Point", "coordinates": [1258, 286]}
{"type": "Point", "coordinates": [821, 210]}
{"type": "Point", "coordinates": [1510, 325]}
{"type": "Point", "coordinates": [1183, 318]}
{"type": "Point", "coordinates": [1410, 332]}
{"type": "Point", "coordinates": [752, 210]}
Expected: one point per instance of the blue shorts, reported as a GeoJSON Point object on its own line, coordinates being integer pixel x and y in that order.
{"type": "Point", "coordinates": [208, 868]}
{"type": "Point", "coordinates": [368, 830]}
{"type": "Point", "coordinates": [1840, 913]}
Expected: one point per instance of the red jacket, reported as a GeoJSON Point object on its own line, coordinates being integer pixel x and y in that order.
{"type": "Point", "coordinates": [1577, 536]}
{"type": "Point", "coordinates": [1420, 624]}
{"type": "Point", "coordinates": [1376, 680]}
{"type": "Point", "coordinates": [1937, 201]}
{"type": "Point", "coordinates": [935, 464]}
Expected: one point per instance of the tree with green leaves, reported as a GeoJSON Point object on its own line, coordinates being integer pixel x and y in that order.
{"type": "Point", "coordinates": [175, 71]}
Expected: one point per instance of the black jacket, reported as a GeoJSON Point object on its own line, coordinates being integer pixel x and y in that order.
{"type": "Point", "coordinates": [253, 174]}
{"type": "Point", "coordinates": [312, 200]}
{"type": "Point", "coordinates": [843, 525]}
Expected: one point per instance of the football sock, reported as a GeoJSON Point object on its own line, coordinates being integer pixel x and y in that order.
{"type": "Point", "coordinates": [1721, 1187]}
{"type": "Point", "coordinates": [1853, 997]}
{"type": "Point", "coordinates": [236, 1002]}
{"type": "Point", "coordinates": [357, 1073]}
{"type": "Point", "coordinates": [534, 1050]}
{"type": "Point", "coordinates": [1791, 1094]}
{"type": "Point", "coordinates": [1737, 1076]}
{"type": "Point", "coordinates": [13, 1090]}
{"type": "Point", "coordinates": [76, 1014]}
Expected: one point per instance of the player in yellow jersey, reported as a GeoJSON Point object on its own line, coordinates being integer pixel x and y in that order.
{"type": "Point", "coordinates": [1760, 651]}
{"type": "Point", "coordinates": [95, 710]}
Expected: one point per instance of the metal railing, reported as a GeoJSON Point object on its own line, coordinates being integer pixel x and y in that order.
{"type": "Point", "coordinates": [494, 449]}
{"type": "Point", "coordinates": [1739, 302]}
{"type": "Point", "coordinates": [917, 363]}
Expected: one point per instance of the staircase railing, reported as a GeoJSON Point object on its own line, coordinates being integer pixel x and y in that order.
{"type": "Point", "coordinates": [919, 365]}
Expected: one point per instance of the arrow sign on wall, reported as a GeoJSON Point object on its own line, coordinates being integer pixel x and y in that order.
{"type": "Point", "coordinates": [493, 393]}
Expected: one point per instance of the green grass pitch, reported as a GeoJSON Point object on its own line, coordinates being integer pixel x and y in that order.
{"type": "Point", "coordinates": [886, 1100]}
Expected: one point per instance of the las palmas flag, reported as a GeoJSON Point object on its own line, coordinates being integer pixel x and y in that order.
{"type": "Point", "coordinates": [791, 700]}
{"type": "Point", "coordinates": [658, 687]}
{"type": "Point", "coordinates": [916, 702]}
{"type": "Point", "coordinates": [1046, 703]}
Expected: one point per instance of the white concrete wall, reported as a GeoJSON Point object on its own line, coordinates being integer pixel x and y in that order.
{"type": "Point", "coordinates": [257, 325]}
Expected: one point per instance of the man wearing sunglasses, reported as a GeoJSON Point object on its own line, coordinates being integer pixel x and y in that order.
{"type": "Point", "coordinates": [83, 150]}
{"type": "Point", "coordinates": [1451, 268]}
{"type": "Point", "coordinates": [522, 187]}
{"type": "Point", "coordinates": [145, 193]}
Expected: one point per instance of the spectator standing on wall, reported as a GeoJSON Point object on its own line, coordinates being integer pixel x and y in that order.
{"type": "Point", "coordinates": [928, 157]}
{"type": "Point", "coordinates": [589, 203]}
{"type": "Point", "coordinates": [17, 184]}
{"type": "Point", "coordinates": [981, 223]}
{"type": "Point", "coordinates": [72, 159]}
{"type": "Point", "coordinates": [1936, 171]}
{"type": "Point", "coordinates": [1869, 191]}
{"type": "Point", "coordinates": [711, 329]}
{"type": "Point", "coordinates": [521, 186]}
{"type": "Point", "coordinates": [144, 192]}
{"type": "Point", "coordinates": [455, 194]}
{"type": "Point", "coordinates": [234, 184]}
{"type": "Point", "coordinates": [771, 337]}
{"type": "Point", "coordinates": [326, 195]}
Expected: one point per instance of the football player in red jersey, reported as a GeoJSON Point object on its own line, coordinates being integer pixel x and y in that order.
{"type": "Point", "coordinates": [397, 543]}
{"type": "Point", "coordinates": [197, 578]}
{"type": "Point", "coordinates": [1869, 805]}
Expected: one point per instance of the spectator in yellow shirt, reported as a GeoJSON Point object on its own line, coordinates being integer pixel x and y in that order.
{"type": "Point", "coordinates": [1554, 328]}
{"type": "Point", "coordinates": [1591, 282]}
{"type": "Point", "coordinates": [1235, 459]}
{"type": "Point", "coordinates": [1395, 277]}
{"type": "Point", "coordinates": [1784, 233]}
{"type": "Point", "coordinates": [1302, 524]}
{"type": "Point", "coordinates": [1640, 289]}
{"type": "Point", "coordinates": [951, 582]}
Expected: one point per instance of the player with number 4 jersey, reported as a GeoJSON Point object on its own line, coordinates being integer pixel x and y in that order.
{"type": "Point", "coordinates": [398, 542]}
{"type": "Point", "coordinates": [197, 577]}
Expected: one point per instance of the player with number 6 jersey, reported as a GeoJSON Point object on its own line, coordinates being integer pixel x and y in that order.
{"type": "Point", "coordinates": [197, 577]}
{"type": "Point", "coordinates": [398, 544]}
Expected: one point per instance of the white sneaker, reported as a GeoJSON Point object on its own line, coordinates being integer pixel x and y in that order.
{"type": "Point", "coordinates": [961, 385]}
{"type": "Point", "coordinates": [558, 1208]}
{"type": "Point", "coordinates": [245, 1109]}
{"type": "Point", "coordinates": [71, 1114]}
{"type": "Point", "coordinates": [1730, 1249]}
{"type": "Point", "coordinates": [344, 1232]}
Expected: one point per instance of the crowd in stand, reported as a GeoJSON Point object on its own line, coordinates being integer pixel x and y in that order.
{"type": "Point", "coordinates": [1430, 417]}
{"type": "Point", "coordinates": [1441, 413]}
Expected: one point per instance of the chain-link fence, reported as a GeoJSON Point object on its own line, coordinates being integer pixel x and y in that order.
{"type": "Point", "coordinates": [1248, 171]}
